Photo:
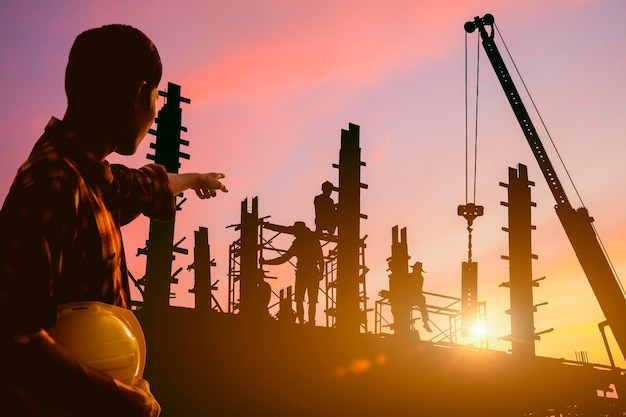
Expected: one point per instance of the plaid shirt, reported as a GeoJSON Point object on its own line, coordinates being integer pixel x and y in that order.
{"type": "Point", "coordinates": [60, 226]}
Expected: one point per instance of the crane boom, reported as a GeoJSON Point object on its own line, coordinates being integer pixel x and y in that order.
{"type": "Point", "coordinates": [576, 222]}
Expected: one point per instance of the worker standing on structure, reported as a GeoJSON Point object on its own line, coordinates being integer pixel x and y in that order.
{"type": "Point", "coordinates": [325, 210]}
{"type": "Point", "coordinates": [416, 282]}
{"type": "Point", "coordinates": [405, 293]}
{"type": "Point", "coordinates": [309, 268]}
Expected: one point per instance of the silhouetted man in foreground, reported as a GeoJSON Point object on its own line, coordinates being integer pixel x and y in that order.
{"type": "Point", "coordinates": [61, 240]}
{"type": "Point", "coordinates": [309, 268]}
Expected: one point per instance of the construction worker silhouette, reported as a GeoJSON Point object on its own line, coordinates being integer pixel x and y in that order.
{"type": "Point", "coordinates": [325, 210]}
{"type": "Point", "coordinates": [259, 298]}
{"type": "Point", "coordinates": [416, 282]}
{"type": "Point", "coordinates": [309, 268]}
{"type": "Point", "coordinates": [405, 292]}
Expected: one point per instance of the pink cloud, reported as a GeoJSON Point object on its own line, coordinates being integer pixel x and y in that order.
{"type": "Point", "coordinates": [338, 46]}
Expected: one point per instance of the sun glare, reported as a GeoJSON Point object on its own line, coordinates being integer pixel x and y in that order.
{"type": "Point", "coordinates": [478, 330]}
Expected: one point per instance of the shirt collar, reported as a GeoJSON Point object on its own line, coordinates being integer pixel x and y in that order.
{"type": "Point", "coordinates": [68, 144]}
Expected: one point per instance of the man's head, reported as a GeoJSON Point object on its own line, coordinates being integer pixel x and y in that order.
{"type": "Point", "coordinates": [300, 228]}
{"type": "Point", "coordinates": [112, 74]}
{"type": "Point", "coordinates": [417, 267]}
{"type": "Point", "coordinates": [327, 187]}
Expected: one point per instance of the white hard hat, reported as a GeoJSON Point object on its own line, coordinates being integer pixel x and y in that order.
{"type": "Point", "coordinates": [104, 337]}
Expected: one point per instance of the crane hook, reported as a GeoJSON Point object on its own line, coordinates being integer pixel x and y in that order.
{"type": "Point", "coordinates": [470, 211]}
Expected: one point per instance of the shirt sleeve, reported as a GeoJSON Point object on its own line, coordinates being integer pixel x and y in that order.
{"type": "Point", "coordinates": [143, 191]}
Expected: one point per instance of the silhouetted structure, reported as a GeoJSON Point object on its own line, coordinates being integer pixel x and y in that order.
{"type": "Point", "coordinates": [160, 244]}
{"type": "Point", "coordinates": [203, 289]}
{"type": "Point", "coordinates": [337, 370]}
{"type": "Point", "coordinates": [398, 278]}
{"type": "Point", "coordinates": [520, 258]}
{"type": "Point", "coordinates": [350, 317]}
{"type": "Point", "coordinates": [405, 288]}
{"type": "Point", "coordinates": [285, 310]}
{"type": "Point", "coordinates": [469, 271]}
{"type": "Point", "coordinates": [325, 210]}
{"type": "Point", "coordinates": [331, 279]}
{"type": "Point", "coordinates": [406, 296]}
{"type": "Point", "coordinates": [245, 273]}
{"type": "Point", "coordinates": [352, 374]}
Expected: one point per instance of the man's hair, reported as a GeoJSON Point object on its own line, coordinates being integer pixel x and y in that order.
{"type": "Point", "coordinates": [109, 63]}
{"type": "Point", "coordinates": [327, 185]}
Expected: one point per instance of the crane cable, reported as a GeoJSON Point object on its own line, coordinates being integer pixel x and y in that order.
{"type": "Point", "coordinates": [467, 156]}
{"type": "Point", "coordinates": [556, 151]}
{"type": "Point", "coordinates": [469, 210]}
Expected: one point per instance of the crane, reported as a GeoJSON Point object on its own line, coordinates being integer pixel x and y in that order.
{"type": "Point", "coordinates": [577, 223]}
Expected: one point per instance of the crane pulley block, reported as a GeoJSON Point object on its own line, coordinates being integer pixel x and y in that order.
{"type": "Point", "coordinates": [470, 211]}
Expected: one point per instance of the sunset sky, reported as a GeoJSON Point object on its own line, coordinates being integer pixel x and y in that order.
{"type": "Point", "coordinates": [272, 83]}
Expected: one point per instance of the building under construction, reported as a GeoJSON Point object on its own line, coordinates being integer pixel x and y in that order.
{"type": "Point", "coordinates": [255, 357]}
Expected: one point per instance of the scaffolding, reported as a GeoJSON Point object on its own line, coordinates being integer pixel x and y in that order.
{"type": "Point", "coordinates": [330, 283]}
{"type": "Point", "coordinates": [344, 270]}
{"type": "Point", "coordinates": [447, 329]}
{"type": "Point", "coordinates": [269, 240]}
